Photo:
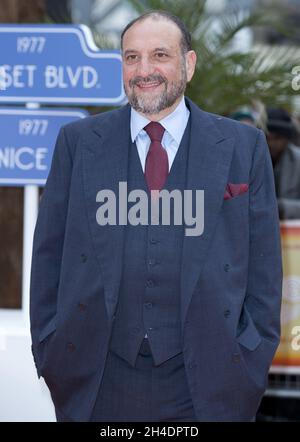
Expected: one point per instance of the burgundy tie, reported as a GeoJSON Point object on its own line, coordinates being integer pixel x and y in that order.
{"type": "Point", "coordinates": [157, 165]}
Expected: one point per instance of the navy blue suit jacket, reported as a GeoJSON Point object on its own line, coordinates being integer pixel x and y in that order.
{"type": "Point", "coordinates": [230, 279]}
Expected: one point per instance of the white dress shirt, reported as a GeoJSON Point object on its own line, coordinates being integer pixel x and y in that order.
{"type": "Point", "coordinates": [174, 124]}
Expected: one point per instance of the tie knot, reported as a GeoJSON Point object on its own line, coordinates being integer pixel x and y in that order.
{"type": "Point", "coordinates": [155, 131]}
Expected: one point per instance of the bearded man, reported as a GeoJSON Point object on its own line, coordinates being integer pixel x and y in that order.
{"type": "Point", "coordinates": [138, 321]}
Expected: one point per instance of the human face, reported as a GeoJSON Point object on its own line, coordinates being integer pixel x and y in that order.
{"type": "Point", "coordinates": [155, 71]}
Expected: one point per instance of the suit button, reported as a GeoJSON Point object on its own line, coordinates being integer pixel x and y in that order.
{"type": "Point", "coordinates": [151, 262]}
{"type": "Point", "coordinates": [70, 347]}
{"type": "Point", "coordinates": [81, 306]}
{"type": "Point", "coordinates": [83, 257]}
{"type": "Point", "coordinates": [226, 267]}
{"type": "Point", "coordinates": [227, 313]}
{"type": "Point", "coordinates": [236, 358]}
{"type": "Point", "coordinates": [153, 241]}
{"type": "Point", "coordinates": [148, 305]}
{"type": "Point", "coordinates": [149, 283]}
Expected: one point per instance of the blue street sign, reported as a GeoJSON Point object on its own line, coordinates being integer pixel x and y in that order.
{"type": "Point", "coordinates": [57, 64]}
{"type": "Point", "coordinates": [27, 142]}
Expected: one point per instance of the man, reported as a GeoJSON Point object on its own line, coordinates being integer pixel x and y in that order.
{"type": "Point", "coordinates": [143, 322]}
{"type": "Point", "coordinates": [286, 162]}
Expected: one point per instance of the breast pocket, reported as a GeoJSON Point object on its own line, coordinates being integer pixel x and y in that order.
{"type": "Point", "coordinates": [236, 207]}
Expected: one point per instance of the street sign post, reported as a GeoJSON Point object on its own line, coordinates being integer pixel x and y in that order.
{"type": "Point", "coordinates": [27, 142]}
{"type": "Point", "coordinates": [57, 64]}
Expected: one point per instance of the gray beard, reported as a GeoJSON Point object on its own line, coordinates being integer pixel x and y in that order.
{"type": "Point", "coordinates": [154, 105]}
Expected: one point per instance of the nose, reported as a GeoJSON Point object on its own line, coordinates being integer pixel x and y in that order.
{"type": "Point", "coordinates": [144, 67]}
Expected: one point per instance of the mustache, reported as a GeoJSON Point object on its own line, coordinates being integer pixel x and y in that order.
{"type": "Point", "coordinates": [150, 78]}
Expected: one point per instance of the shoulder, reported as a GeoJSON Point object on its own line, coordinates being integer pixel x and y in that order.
{"type": "Point", "coordinates": [235, 129]}
{"type": "Point", "coordinates": [227, 127]}
{"type": "Point", "coordinates": [82, 127]}
{"type": "Point", "coordinates": [248, 142]}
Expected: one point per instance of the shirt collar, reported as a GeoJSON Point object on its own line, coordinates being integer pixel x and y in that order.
{"type": "Point", "coordinates": [174, 123]}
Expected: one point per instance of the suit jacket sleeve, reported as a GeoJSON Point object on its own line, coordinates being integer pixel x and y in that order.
{"type": "Point", "coordinates": [48, 246]}
{"type": "Point", "coordinates": [263, 299]}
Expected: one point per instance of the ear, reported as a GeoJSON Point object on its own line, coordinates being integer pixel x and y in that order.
{"type": "Point", "coordinates": [190, 64]}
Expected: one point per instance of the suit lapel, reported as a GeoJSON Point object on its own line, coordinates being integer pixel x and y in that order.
{"type": "Point", "coordinates": [105, 158]}
{"type": "Point", "coordinates": [210, 156]}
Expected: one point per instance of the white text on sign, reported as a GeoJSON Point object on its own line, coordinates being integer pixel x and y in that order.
{"type": "Point", "coordinates": [62, 77]}
{"type": "Point", "coordinates": [24, 158]}
{"type": "Point", "coordinates": [33, 126]}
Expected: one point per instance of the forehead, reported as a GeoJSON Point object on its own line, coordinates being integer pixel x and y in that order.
{"type": "Point", "coordinates": [151, 33]}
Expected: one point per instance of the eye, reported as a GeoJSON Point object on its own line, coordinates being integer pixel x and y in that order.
{"type": "Point", "coordinates": [131, 58]}
{"type": "Point", "coordinates": [161, 55]}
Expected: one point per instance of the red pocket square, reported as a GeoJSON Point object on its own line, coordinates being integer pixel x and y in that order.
{"type": "Point", "coordinates": [233, 190]}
